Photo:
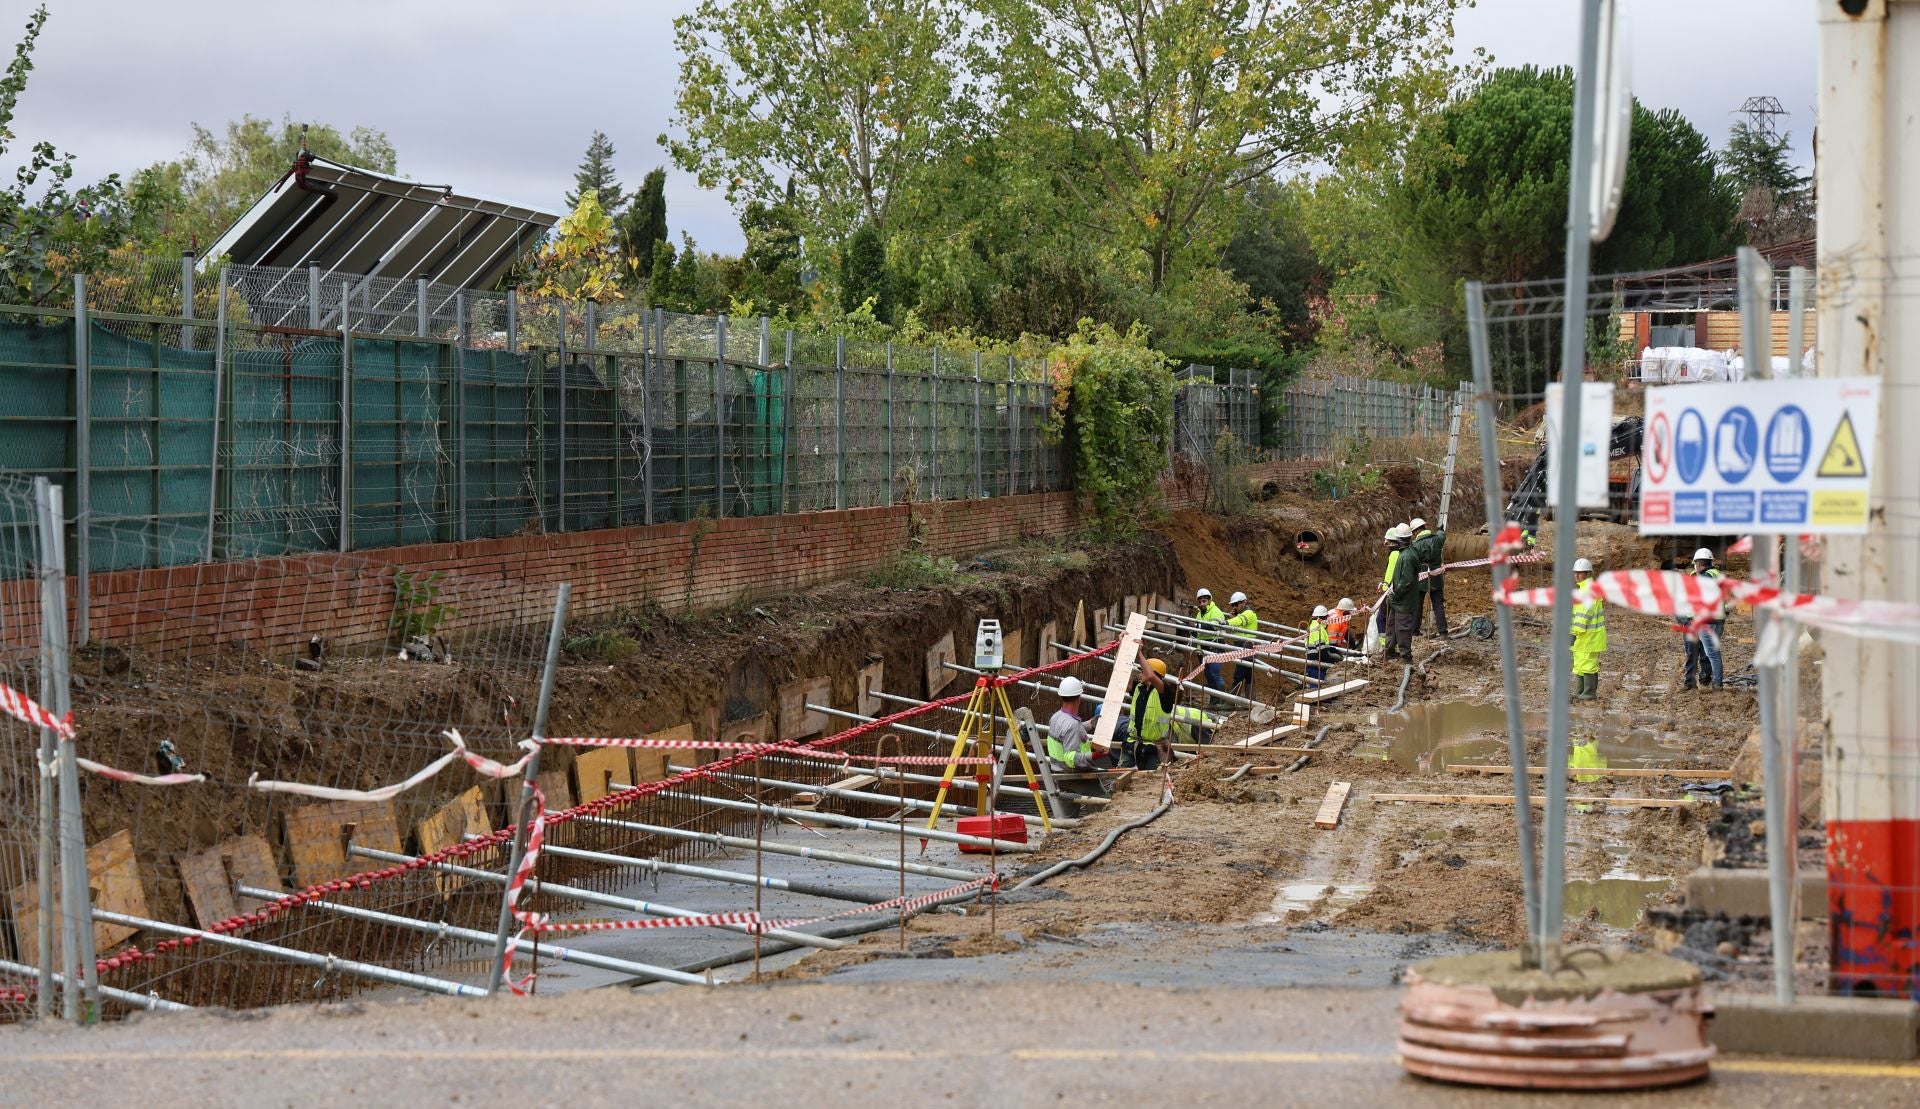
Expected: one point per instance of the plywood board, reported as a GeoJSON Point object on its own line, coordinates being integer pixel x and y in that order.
{"type": "Point", "coordinates": [1049, 633]}
{"type": "Point", "coordinates": [1079, 623]}
{"type": "Point", "coordinates": [1268, 736]}
{"type": "Point", "coordinates": [1332, 691]}
{"type": "Point", "coordinates": [113, 876]}
{"type": "Point", "coordinates": [1125, 608]}
{"type": "Point", "coordinates": [1333, 805]}
{"type": "Point", "coordinates": [1117, 682]}
{"type": "Point", "coordinates": [211, 875]}
{"type": "Point", "coordinates": [651, 765]}
{"type": "Point", "coordinates": [317, 837]}
{"type": "Point", "coordinates": [555, 785]}
{"type": "Point", "coordinates": [870, 680]}
{"type": "Point", "coordinates": [1013, 649]}
{"type": "Point", "coordinates": [1097, 630]}
{"type": "Point", "coordinates": [938, 676]}
{"type": "Point", "coordinates": [454, 821]}
{"type": "Point", "coordinates": [796, 720]}
{"type": "Point", "coordinates": [597, 769]}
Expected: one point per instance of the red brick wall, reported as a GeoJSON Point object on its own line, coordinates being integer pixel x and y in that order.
{"type": "Point", "coordinates": [275, 604]}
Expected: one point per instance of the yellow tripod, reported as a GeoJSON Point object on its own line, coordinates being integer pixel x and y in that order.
{"type": "Point", "coordinates": [976, 724]}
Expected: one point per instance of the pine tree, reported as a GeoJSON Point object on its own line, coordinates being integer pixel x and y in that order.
{"type": "Point", "coordinates": [645, 224]}
{"type": "Point", "coordinates": [1776, 199]}
{"type": "Point", "coordinates": [596, 176]}
{"type": "Point", "coordinates": [684, 284]}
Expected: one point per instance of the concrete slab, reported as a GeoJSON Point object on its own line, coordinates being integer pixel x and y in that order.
{"type": "Point", "coordinates": [1741, 892]}
{"type": "Point", "coordinates": [1829, 1027]}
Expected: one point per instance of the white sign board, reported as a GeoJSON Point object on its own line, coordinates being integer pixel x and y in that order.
{"type": "Point", "coordinates": [1596, 441]}
{"type": "Point", "coordinates": [1766, 457]}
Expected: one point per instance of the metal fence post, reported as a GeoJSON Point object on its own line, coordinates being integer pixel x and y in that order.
{"type": "Point", "coordinates": [560, 402]}
{"type": "Point", "coordinates": [46, 500]}
{"type": "Point", "coordinates": [528, 779]}
{"type": "Point", "coordinates": [83, 455]}
{"type": "Point", "coordinates": [890, 469]}
{"type": "Point", "coordinates": [789, 379]}
{"type": "Point", "coordinates": [766, 341]}
{"type": "Point", "coordinates": [460, 342]}
{"type": "Point", "coordinates": [1013, 431]}
{"type": "Point", "coordinates": [80, 998]}
{"type": "Point", "coordinates": [979, 434]}
{"type": "Point", "coordinates": [186, 298]}
{"type": "Point", "coordinates": [646, 420]}
{"type": "Point", "coordinates": [933, 434]}
{"type": "Point", "coordinates": [313, 296]}
{"type": "Point", "coordinates": [513, 321]}
{"type": "Point", "coordinates": [593, 323]}
{"type": "Point", "coordinates": [840, 421]}
{"type": "Point", "coordinates": [420, 316]}
{"type": "Point", "coordinates": [219, 393]}
{"type": "Point", "coordinates": [346, 418]}
{"type": "Point", "coordinates": [720, 416]}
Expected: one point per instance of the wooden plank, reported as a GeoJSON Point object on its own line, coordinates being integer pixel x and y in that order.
{"type": "Point", "coordinates": [1507, 799]}
{"type": "Point", "coordinates": [753, 729]}
{"type": "Point", "coordinates": [1615, 772]}
{"type": "Point", "coordinates": [596, 769]}
{"type": "Point", "coordinates": [853, 781]}
{"type": "Point", "coordinates": [1117, 681]}
{"type": "Point", "coordinates": [555, 785]}
{"type": "Point", "coordinates": [113, 875]}
{"type": "Point", "coordinates": [1079, 623]}
{"type": "Point", "coordinates": [938, 655]}
{"type": "Point", "coordinates": [1097, 623]}
{"type": "Point", "coordinates": [210, 876]}
{"type": "Point", "coordinates": [1330, 692]}
{"type": "Point", "coordinates": [317, 837]}
{"type": "Point", "coordinates": [870, 680]}
{"type": "Point", "coordinates": [1236, 749]}
{"type": "Point", "coordinates": [796, 720]}
{"type": "Point", "coordinates": [1333, 805]}
{"type": "Point", "coordinates": [1013, 649]}
{"type": "Point", "coordinates": [1049, 632]}
{"type": "Point", "coordinates": [651, 766]}
{"type": "Point", "coordinates": [1268, 736]}
{"type": "Point", "coordinates": [453, 821]}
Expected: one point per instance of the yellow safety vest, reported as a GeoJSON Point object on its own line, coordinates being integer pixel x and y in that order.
{"type": "Point", "coordinates": [1393, 560]}
{"type": "Point", "coordinates": [1150, 721]}
{"type": "Point", "coordinates": [1317, 634]}
{"type": "Point", "coordinates": [1248, 622]}
{"type": "Point", "coordinates": [1210, 615]}
{"type": "Point", "coordinates": [1589, 621]}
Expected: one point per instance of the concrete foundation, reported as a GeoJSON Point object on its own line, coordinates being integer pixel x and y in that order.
{"type": "Point", "coordinates": [1743, 892]}
{"type": "Point", "coordinates": [1831, 1027]}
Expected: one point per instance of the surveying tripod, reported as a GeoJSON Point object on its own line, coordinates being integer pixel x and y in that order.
{"type": "Point", "coordinates": [976, 724]}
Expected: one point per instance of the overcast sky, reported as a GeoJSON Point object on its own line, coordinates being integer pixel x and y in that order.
{"type": "Point", "coordinates": [498, 98]}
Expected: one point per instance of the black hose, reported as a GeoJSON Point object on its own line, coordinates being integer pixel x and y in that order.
{"type": "Point", "coordinates": [1092, 856]}
{"type": "Point", "coordinates": [1405, 676]}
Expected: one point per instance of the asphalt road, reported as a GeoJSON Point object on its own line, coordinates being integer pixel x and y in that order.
{"type": "Point", "coordinates": [820, 1044]}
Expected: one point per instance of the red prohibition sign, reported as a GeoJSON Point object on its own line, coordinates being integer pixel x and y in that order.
{"type": "Point", "coordinates": [1660, 460]}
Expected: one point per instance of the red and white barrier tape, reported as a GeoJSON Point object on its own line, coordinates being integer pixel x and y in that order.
{"type": "Point", "coordinates": [480, 763]}
{"type": "Point", "coordinates": [755, 748]}
{"type": "Point", "coordinates": [28, 711]}
{"type": "Point", "coordinates": [119, 775]}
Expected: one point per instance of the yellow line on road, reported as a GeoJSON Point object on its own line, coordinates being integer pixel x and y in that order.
{"type": "Point", "coordinates": [1812, 1067]}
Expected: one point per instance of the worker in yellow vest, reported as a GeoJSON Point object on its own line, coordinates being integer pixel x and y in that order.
{"type": "Point", "coordinates": [1396, 542]}
{"type": "Point", "coordinates": [1319, 645]}
{"type": "Point", "coordinates": [1589, 633]}
{"type": "Point", "coordinates": [1246, 624]}
{"type": "Point", "coordinates": [1211, 619]}
{"type": "Point", "coordinates": [1155, 697]}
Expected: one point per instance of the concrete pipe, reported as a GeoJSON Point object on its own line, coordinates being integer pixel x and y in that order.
{"type": "Point", "coordinates": [1262, 489]}
{"type": "Point", "coordinates": [1306, 544]}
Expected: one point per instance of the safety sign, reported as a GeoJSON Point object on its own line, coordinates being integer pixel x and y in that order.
{"type": "Point", "coordinates": [1759, 456]}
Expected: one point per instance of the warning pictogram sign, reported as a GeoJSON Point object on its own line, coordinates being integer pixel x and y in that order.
{"type": "Point", "coordinates": [1844, 457]}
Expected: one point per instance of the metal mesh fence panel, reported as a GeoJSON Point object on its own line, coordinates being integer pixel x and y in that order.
{"type": "Point", "coordinates": [20, 780]}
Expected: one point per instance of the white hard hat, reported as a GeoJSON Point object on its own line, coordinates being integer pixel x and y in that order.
{"type": "Point", "coordinates": [1236, 598]}
{"type": "Point", "coordinates": [1703, 554]}
{"type": "Point", "coordinates": [1320, 612]}
{"type": "Point", "coordinates": [1403, 532]}
{"type": "Point", "coordinates": [1071, 687]}
{"type": "Point", "coordinates": [1345, 605]}
{"type": "Point", "coordinates": [1582, 566]}
{"type": "Point", "coordinates": [1418, 523]}
{"type": "Point", "coordinates": [1203, 592]}
{"type": "Point", "coordinates": [1392, 534]}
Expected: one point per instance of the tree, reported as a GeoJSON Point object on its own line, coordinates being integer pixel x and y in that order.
{"type": "Point", "coordinates": [771, 262]}
{"type": "Point", "coordinates": [864, 276]}
{"type": "Point", "coordinates": [1271, 253]}
{"type": "Point", "coordinates": [684, 284]}
{"type": "Point", "coordinates": [1153, 113]}
{"type": "Point", "coordinates": [660, 276]}
{"type": "Point", "coordinates": [596, 177]}
{"type": "Point", "coordinates": [850, 98]}
{"type": "Point", "coordinates": [577, 263]}
{"type": "Point", "coordinates": [201, 193]}
{"type": "Point", "coordinates": [1776, 199]}
{"type": "Point", "coordinates": [644, 224]}
{"type": "Point", "coordinates": [47, 230]}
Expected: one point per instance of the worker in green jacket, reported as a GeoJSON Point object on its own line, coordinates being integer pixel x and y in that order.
{"type": "Point", "coordinates": [1431, 547]}
{"type": "Point", "coordinates": [1403, 599]}
{"type": "Point", "coordinates": [1246, 625]}
{"type": "Point", "coordinates": [1589, 633]}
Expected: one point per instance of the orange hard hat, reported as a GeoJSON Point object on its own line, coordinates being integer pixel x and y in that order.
{"type": "Point", "coordinates": [1158, 666]}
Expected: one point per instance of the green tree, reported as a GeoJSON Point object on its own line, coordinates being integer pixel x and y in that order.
{"type": "Point", "coordinates": [643, 225]}
{"type": "Point", "coordinates": [849, 98]}
{"type": "Point", "coordinates": [864, 275]}
{"type": "Point", "coordinates": [1113, 402]}
{"type": "Point", "coordinates": [49, 229]}
{"type": "Point", "coordinates": [771, 262]}
{"type": "Point", "coordinates": [578, 261]}
{"type": "Point", "coordinates": [596, 177]}
{"type": "Point", "coordinates": [683, 287]}
{"type": "Point", "coordinates": [1175, 105]}
{"type": "Point", "coordinates": [201, 193]}
{"type": "Point", "coordinates": [660, 276]}
{"type": "Point", "coordinates": [1776, 199]}
{"type": "Point", "coordinates": [1271, 253]}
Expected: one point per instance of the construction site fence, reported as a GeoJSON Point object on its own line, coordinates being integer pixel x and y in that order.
{"type": "Point", "coordinates": [263, 412]}
{"type": "Point", "coordinates": [1364, 419]}
{"type": "Point", "coordinates": [1216, 411]}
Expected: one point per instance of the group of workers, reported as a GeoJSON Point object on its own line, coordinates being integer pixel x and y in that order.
{"type": "Point", "coordinates": [1415, 577]}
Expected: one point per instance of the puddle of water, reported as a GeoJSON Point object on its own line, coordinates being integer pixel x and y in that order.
{"type": "Point", "coordinates": [1620, 900]}
{"type": "Point", "coordinates": [1428, 737]}
{"type": "Point", "coordinates": [1309, 892]}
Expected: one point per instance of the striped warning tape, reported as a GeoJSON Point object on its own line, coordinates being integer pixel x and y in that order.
{"type": "Point", "coordinates": [28, 711]}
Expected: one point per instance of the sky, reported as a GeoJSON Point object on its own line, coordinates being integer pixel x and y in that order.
{"type": "Point", "coordinates": [498, 98]}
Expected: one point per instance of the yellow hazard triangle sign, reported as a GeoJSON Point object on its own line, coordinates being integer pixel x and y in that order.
{"type": "Point", "coordinates": [1843, 458]}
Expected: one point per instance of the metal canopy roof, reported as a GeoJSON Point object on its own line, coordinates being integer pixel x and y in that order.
{"type": "Point", "coordinates": [358, 223]}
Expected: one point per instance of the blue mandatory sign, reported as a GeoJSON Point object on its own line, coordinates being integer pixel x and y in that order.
{"type": "Point", "coordinates": [1736, 443]}
{"type": "Point", "coordinates": [1787, 443]}
{"type": "Point", "coordinates": [1690, 446]}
